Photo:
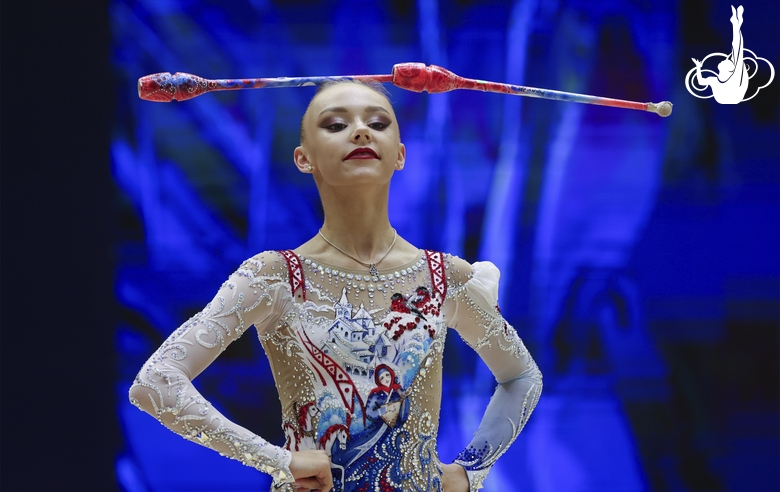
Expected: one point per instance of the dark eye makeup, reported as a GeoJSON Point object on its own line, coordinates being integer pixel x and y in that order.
{"type": "Point", "coordinates": [334, 127]}
{"type": "Point", "coordinates": [337, 126]}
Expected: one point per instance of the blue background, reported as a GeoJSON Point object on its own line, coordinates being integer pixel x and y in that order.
{"type": "Point", "coordinates": [639, 254]}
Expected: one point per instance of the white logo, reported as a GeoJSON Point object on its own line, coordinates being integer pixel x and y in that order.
{"type": "Point", "coordinates": [730, 84]}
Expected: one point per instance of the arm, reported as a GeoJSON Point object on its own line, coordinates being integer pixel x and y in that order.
{"type": "Point", "coordinates": [163, 387]}
{"type": "Point", "coordinates": [702, 81]}
{"type": "Point", "coordinates": [472, 310]}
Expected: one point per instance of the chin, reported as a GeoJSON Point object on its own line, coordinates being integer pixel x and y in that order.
{"type": "Point", "coordinates": [363, 177]}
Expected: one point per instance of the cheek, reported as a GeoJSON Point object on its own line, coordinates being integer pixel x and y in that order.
{"type": "Point", "coordinates": [329, 146]}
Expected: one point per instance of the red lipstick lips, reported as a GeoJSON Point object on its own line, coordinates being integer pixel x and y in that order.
{"type": "Point", "coordinates": [362, 153]}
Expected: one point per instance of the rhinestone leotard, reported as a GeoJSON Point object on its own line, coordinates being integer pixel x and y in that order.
{"type": "Point", "coordinates": [357, 360]}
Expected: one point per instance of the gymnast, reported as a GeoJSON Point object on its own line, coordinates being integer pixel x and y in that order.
{"type": "Point", "coordinates": [731, 84]}
{"type": "Point", "coordinates": [353, 323]}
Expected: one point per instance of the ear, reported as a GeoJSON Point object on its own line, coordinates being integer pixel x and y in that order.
{"type": "Point", "coordinates": [301, 160]}
{"type": "Point", "coordinates": [400, 159]}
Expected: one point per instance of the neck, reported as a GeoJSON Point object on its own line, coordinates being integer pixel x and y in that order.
{"type": "Point", "coordinates": [356, 221]}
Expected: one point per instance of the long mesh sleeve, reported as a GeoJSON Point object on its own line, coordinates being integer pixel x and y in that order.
{"type": "Point", "coordinates": [255, 294]}
{"type": "Point", "coordinates": [472, 310]}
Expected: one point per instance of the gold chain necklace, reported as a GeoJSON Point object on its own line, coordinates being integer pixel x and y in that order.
{"type": "Point", "coordinates": [371, 266]}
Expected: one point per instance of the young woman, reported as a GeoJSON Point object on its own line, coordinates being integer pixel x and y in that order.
{"type": "Point", "coordinates": [353, 323]}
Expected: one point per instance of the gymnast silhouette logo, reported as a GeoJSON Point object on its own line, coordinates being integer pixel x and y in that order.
{"type": "Point", "coordinates": [730, 84]}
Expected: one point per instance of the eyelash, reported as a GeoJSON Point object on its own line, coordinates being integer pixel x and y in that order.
{"type": "Point", "coordinates": [381, 125]}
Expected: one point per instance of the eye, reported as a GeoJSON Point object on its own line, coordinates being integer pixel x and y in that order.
{"type": "Point", "coordinates": [378, 125]}
{"type": "Point", "coordinates": [336, 127]}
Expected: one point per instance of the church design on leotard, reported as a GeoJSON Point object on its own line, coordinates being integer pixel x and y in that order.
{"type": "Point", "coordinates": [356, 340]}
{"type": "Point", "coordinates": [357, 360]}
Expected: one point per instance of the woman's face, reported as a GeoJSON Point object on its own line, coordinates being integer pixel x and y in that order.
{"type": "Point", "coordinates": [385, 378]}
{"type": "Point", "coordinates": [351, 137]}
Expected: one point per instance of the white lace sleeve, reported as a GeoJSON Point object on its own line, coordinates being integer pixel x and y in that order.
{"type": "Point", "coordinates": [472, 310]}
{"type": "Point", "coordinates": [254, 294]}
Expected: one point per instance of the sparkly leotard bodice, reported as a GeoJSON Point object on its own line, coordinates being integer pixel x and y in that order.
{"type": "Point", "coordinates": [357, 360]}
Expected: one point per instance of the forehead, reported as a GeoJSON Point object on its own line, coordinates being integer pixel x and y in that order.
{"type": "Point", "coordinates": [350, 96]}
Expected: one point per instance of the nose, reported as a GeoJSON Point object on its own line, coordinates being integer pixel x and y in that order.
{"type": "Point", "coordinates": [362, 132]}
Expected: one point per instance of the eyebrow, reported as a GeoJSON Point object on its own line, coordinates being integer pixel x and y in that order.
{"type": "Point", "coordinates": [341, 109]}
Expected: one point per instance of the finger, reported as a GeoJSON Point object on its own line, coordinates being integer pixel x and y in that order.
{"type": "Point", "coordinates": [326, 480]}
{"type": "Point", "coordinates": [307, 483]}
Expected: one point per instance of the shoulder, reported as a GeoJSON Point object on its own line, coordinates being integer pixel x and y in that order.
{"type": "Point", "coordinates": [262, 284]}
{"type": "Point", "coordinates": [264, 274]}
{"type": "Point", "coordinates": [460, 272]}
{"type": "Point", "coordinates": [457, 263]}
{"type": "Point", "coordinates": [267, 265]}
